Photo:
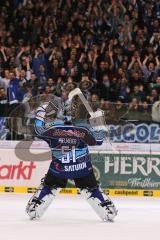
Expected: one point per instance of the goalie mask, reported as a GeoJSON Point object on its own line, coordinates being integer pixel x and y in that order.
{"type": "Point", "coordinates": [67, 113]}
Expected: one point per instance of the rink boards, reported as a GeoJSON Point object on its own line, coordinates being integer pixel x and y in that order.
{"type": "Point", "coordinates": [122, 169]}
{"type": "Point", "coordinates": [110, 192]}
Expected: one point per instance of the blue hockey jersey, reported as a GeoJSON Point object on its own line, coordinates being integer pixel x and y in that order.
{"type": "Point", "coordinates": [69, 146]}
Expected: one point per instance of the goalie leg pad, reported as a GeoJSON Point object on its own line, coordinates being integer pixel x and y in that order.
{"type": "Point", "coordinates": [101, 203]}
{"type": "Point", "coordinates": [40, 201]}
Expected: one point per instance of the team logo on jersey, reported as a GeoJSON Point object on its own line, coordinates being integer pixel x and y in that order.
{"type": "Point", "coordinates": [71, 133]}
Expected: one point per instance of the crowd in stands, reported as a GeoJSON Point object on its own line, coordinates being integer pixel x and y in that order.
{"type": "Point", "coordinates": [108, 48]}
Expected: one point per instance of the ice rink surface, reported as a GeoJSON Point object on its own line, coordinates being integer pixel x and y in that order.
{"type": "Point", "coordinates": [70, 217]}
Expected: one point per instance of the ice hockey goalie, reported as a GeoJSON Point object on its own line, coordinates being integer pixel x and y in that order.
{"type": "Point", "coordinates": [70, 160]}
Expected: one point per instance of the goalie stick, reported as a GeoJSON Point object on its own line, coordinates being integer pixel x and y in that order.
{"type": "Point", "coordinates": [96, 118]}
{"type": "Point", "coordinates": [77, 92]}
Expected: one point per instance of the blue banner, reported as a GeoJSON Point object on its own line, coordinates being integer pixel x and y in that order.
{"type": "Point", "coordinates": [131, 133]}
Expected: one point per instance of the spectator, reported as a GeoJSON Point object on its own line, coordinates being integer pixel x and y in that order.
{"type": "Point", "coordinates": [138, 93]}
{"type": "Point", "coordinates": [134, 110]}
{"type": "Point", "coordinates": [94, 102]}
{"type": "Point", "coordinates": [3, 96]}
{"type": "Point", "coordinates": [105, 87]}
{"type": "Point", "coordinates": [153, 96]}
{"type": "Point", "coordinates": [109, 112]}
{"type": "Point", "coordinates": [4, 81]}
{"type": "Point", "coordinates": [28, 95]}
{"type": "Point", "coordinates": [145, 112]}
{"type": "Point", "coordinates": [150, 72]}
{"type": "Point", "coordinates": [13, 96]}
{"type": "Point", "coordinates": [38, 65]}
{"type": "Point", "coordinates": [47, 46]}
{"type": "Point", "coordinates": [123, 89]}
{"type": "Point", "coordinates": [33, 83]}
{"type": "Point", "coordinates": [120, 111]}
